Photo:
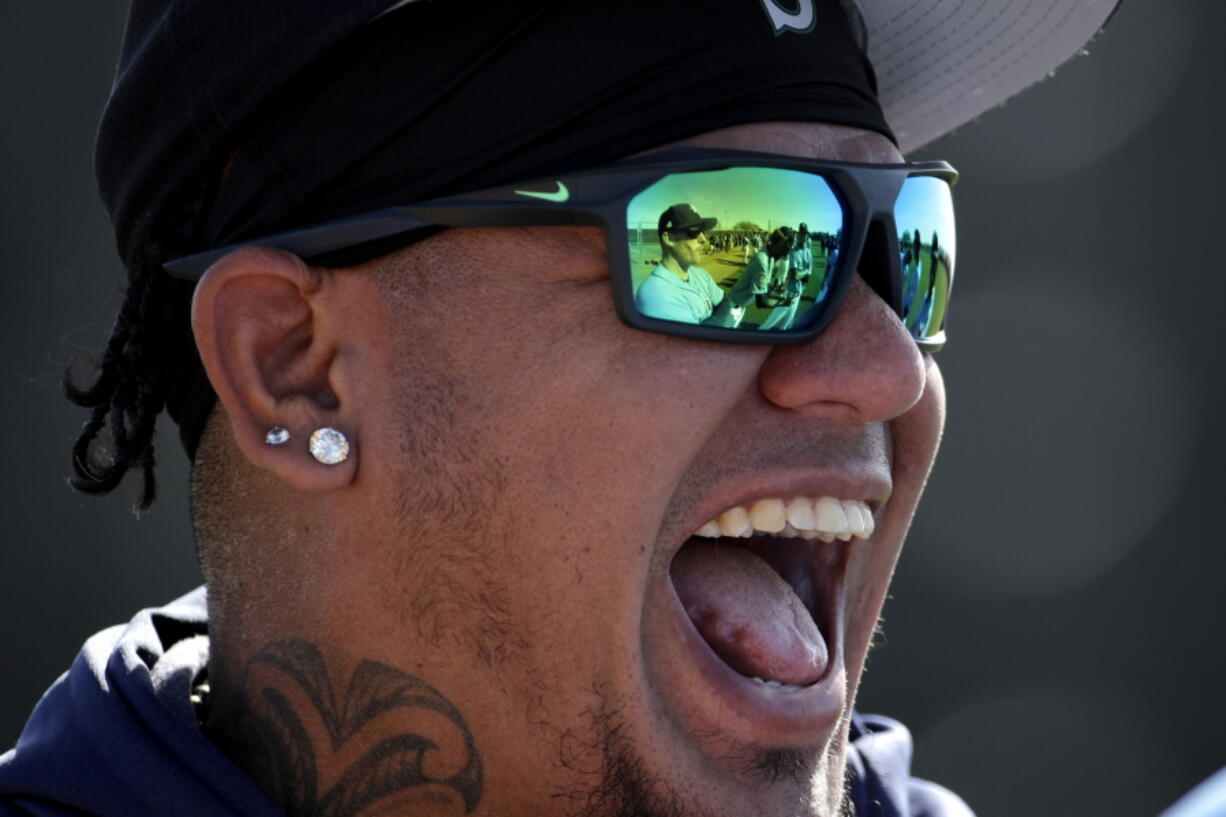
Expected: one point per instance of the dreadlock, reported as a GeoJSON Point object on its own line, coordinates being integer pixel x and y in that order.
{"type": "Point", "coordinates": [150, 335]}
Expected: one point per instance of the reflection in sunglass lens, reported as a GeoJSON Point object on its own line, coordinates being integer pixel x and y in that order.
{"type": "Point", "coordinates": [924, 215]}
{"type": "Point", "coordinates": [772, 238]}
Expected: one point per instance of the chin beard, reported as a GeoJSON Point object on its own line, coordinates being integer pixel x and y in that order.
{"type": "Point", "coordinates": [611, 778]}
{"type": "Point", "coordinates": [620, 783]}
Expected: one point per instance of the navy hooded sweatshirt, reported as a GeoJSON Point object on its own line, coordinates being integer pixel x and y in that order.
{"type": "Point", "coordinates": [116, 736]}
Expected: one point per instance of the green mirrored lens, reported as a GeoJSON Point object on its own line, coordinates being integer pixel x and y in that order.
{"type": "Point", "coordinates": [749, 248]}
{"type": "Point", "coordinates": [924, 214]}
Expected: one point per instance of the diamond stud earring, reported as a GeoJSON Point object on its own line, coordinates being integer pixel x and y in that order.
{"type": "Point", "coordinates": [329, 446]}
{"type": "Point", "coordinates": [277, 436]}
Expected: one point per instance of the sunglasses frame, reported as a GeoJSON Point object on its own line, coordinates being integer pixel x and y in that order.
{"type": "Point", "coordinates": [599, 198]}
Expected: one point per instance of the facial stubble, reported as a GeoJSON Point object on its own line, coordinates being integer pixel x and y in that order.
{"type": "Point", "coordinates": [447, 493]}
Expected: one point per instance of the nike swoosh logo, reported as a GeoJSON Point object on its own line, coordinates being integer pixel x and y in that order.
{"type": "Point", "coordinates": [561, 194]}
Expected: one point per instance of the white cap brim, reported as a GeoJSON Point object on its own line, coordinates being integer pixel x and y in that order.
{"type": "Point", "coordinates": [941, 63]}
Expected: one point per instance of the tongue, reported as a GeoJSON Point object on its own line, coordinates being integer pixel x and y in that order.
{"type": "Point", "coordinates": [748, 614]}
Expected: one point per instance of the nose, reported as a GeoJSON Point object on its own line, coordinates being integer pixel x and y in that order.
{"type": "Point", "coordinates": [863, 368]}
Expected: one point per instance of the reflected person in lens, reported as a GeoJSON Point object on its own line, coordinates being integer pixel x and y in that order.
{"type": "Point", "coordinates": [678, 289]}
{"type": "Point", "coordinates": [791, 274]}
{"type": "Point", "coordinates": [758, 277]}
{"type": "Point", "coordinates": [925, 272]}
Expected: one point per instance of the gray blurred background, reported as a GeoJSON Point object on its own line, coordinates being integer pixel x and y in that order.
{"type": "Point", "coordinates": [1054, 636]}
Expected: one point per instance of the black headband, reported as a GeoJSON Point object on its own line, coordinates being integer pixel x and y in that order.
{"type": "Point", "coordinates": [435, 98]}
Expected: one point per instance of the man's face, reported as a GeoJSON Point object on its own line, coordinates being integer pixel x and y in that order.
{"type": "Point", "coordinates": [686, 248]}
{"type": "Point", "coordinates": [530, 469]}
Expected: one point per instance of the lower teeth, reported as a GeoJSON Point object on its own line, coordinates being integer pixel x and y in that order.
{"type": "Point", "coordinates": [775, 684]}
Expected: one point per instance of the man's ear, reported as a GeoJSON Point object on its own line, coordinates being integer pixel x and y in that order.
{"type": "Point", "coordinates": [261, 326]}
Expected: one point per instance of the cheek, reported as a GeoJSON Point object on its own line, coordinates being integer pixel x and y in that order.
{"type": "Point", "coordinates": [917, 434]}
{"type": "Point", "coordinates": [915, 438]}
{"type": "Point", "coordinates": [526, 372]}
{"type": "Point", "coordinates": [544, 374]}
{"type": "Point", "coordinates": [610, 425]}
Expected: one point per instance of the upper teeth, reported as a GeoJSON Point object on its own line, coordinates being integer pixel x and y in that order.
{"type": "Point", "coordinates": [826, 518]}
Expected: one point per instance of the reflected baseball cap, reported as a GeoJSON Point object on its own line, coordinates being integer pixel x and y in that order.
{"type": "Point", "coordinates": [683, 217]}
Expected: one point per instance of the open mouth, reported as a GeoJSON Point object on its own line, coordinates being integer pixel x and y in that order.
{"type": "Point", "coordinates": [762, 585]}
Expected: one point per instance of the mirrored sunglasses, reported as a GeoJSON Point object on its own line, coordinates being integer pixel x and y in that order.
{"type": "Point", "coordinates": [784, 238]}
